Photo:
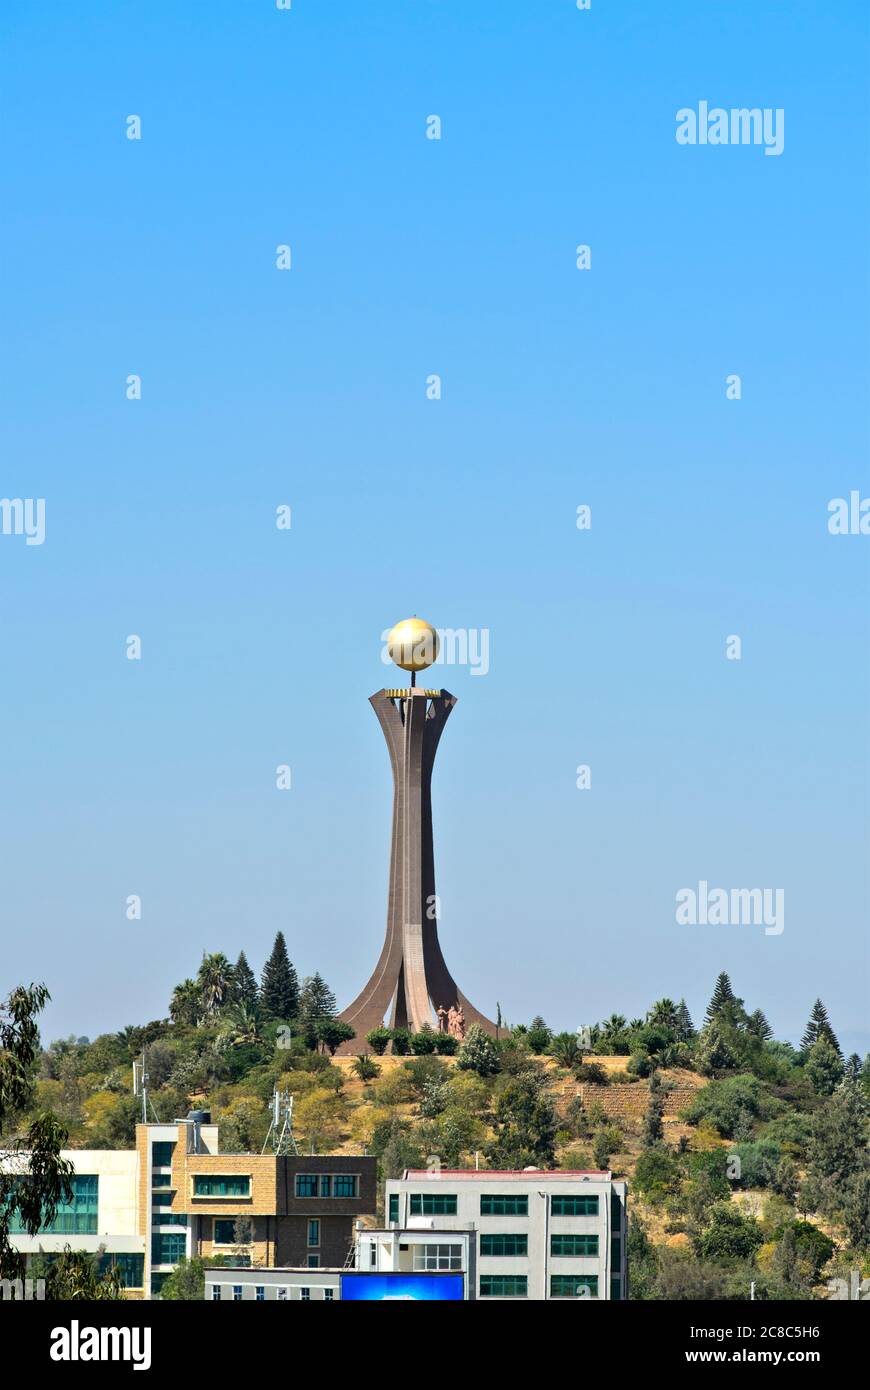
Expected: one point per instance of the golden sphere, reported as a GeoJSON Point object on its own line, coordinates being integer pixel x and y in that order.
{"type": "Point", "coordinates": [413, 644]}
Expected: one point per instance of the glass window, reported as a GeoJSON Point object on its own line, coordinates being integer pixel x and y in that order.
{"type": "Point", "coordinates": [615, 1286]}
{"type": "Point", "coordinates": [77, 1217]}
{"type": "Point", "coordinates": [574, 1245]}
{"type": "Point", "coordinates": [161, 1199]}
{"type": "Point", "coordinates": [328, 1295]}
{"type": "Point", "coordinates": [616, 1250]}
{"type": "Point", "coordinates": [260, 1293]}
{"type": "Point", "coordinates": [282, 1295]}
{"type": "Point", "coordinates": [313, 1261]}
{"type": "Point", "coordinates": [215, 1293]}
{"type": "Point", "coordinates": [305, 1295]}
{"type": "Point", "coordinates": [573, 1285]}
{"type": "Point", "coordinates": [167, 1248]}
{"type": "Point", "coordinates": [314, 1232]}
{"type": "Point", "coordinates": [433, 1204]}
{"type": "Point", "coordinates": [325, 1185]}
{"type": "Point", "coordinates": [394, 1207]}
{"type": "Point", "coordinates": [161, 1153]}
{"type": "Point", "coordinates": [237, 1293]}
{"type": "Point", "coordinates": [131, 1268]}
{"type": "Point", "coordinates": [435, 1257]}
{"type": "Point", "coordinates": [161, 1180]}
{"type": "Point", "coordinates": [306, 1184]}
{"type": "Point", "coordinates": [221, 1185]}
{"type": "Point", "coordinates": [224, 1231]}
{"type": "Point", "coordinates": [504, 1286]}
{"type": "Point", "coordinates": [575, 1206]}
{"type": "Point", "coordinates": [344, 1185]}
{"type": "Point", "coordinates": [503, 1204]}
{"type": "Point", "coordinates": [504, 1245]}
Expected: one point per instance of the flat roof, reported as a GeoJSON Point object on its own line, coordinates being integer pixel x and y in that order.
{"type": "Point", "coordinates": [508, 1174]}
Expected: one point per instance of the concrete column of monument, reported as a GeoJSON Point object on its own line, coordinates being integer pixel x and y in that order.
{"type": "Point", "coordinates": [411, 978]}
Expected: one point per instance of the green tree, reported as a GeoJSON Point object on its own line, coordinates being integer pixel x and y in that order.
{"type": "Point", "coordinates": [279, 987]}
{"type": "Point", "coordinates": [730, 1234]}
{"type": "Point", "coordinates": [819, 1026]}
{"type": "Point", "coordinates": [653, 1124]}
{"type": "Point", "coordinates": [378, 1040]}
{"type": "Point", "coordinates": [245, 983]}
{"type": "Point", "coordinates": [215, 981]}
{"type": "Point", "coordinates": [366, 1068]}
{"type": "Point", "coordinates": [185, 1007]}
{"type": "Point", "coordinates": [332, 1032]}
{"type": "Point", "coordinates": [664, 1014]}
{"type": "Point", "coordinates": [656, 1174]}
{"type": "Point", "coordinates": [642, 1261]}
{"type": "Point", "coordinates": [34, 1179]}
{"type": "Point", "coordinates": [565, 1047]}
{"type": "Point", "coordinates": [722, 994]}
{"type": "Point", "coordinates": [824, 1068]}
{"type": "Point", "coordinates": [685, 1029]}
{"type": "Point", "coordinates": [186, 1283]}
{"type": "Point", "coordinates": [524, 1127]}
{"type": "Point", "coordinates": [478, 1053]}
{"type": "Point", "coordinates": [74, 1276]}
{"type": "Point", "coordinates": [758, 1025]}
{"type": "Point", "coordinates": [316, 1002]}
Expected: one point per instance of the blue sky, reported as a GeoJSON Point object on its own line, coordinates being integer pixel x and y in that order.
{"type": "Point", "coordinates": [307, 127]}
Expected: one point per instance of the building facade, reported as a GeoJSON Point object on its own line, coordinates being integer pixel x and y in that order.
{"type": "Point", "coordinates": [532, 1234]}
{"type": "Point", "coordinates": [177, 1195]}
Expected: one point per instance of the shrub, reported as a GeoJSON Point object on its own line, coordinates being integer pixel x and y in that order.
{"type": "Point", "coordinates": [478, 1053]}
{"type": "Point", "coordinates": [378, 1040]}
{"type": "Point", "coordinates": [401, 1041]}
{"type": "Point", "coordinates": [446, 1045]}
{"type": "Point", "coordinates": [423, 1042]}
{"type": "Point", "coordinates": [366, 1068]}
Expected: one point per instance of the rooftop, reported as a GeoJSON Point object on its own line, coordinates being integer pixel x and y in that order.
{"type": "Point", "coordinates": [509, 1174]}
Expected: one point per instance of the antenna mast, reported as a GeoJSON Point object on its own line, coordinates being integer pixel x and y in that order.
{"type": "Point", "coordinates": [281, 1125]}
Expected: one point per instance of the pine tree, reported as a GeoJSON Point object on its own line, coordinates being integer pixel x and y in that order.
{"type": "Point", "coordinates": [246, 984]}
{"type": "Point", "coordinates": [759, 1026]}
{"type": "Point", "coordinates": [819, 1027]}
{"type": "Point", "coordinates": [316, 1001]}
{"type": "Point", "coordinates": [279, 990]}
{"type": "Point", "coordinates": [685, 1026]}
{"type": "Point", "coordinates": [653, 1126]}
{"type": "Point", "coordinates": [722, 994]}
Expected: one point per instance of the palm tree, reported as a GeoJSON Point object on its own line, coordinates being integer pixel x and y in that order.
{"type": "Point", "coordinates": [215, 980]}
{"type": "Point", "coordinates": [241, 1026]}
{"type": "Point", "coordinates": [185, 1006]}
{"type": "Point", "coordinates": [664, 1013]}
{"type": "Point", "coordinates": [565, 1047]}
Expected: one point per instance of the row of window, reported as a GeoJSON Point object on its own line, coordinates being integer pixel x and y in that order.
{"type": "Point", "coordinates": [573, 1245]}
{"type": "Point", "coordinates": [77, 1217]}
{"type": "Point", "coordinates": [517, 1286]}
{"type": "Point", "coordinates": [327, 1185]}
{"type": "Point", "coordinates": [260, 1294]}
{"type": "Point", "coordinates": [445, 1204]}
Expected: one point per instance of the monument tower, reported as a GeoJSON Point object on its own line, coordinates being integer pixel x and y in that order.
{"type": "Point", "coordinates": [411, 978]}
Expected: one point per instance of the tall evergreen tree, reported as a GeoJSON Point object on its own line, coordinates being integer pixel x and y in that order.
{"type": "Point", "coordinates": [279, 988]}
{"type": "Point", "coordinates": [758, 1025]}
{"type": "Point", "coordinates": [316, 1000]}
{"type": "Point", "coordinates": [653, 1125]}
{"type": "Point", "coordinates": [723, 994]}
{"type": "Point", "coordinates": [685, 1026]}
{"type": "Point", "coordinates": [819, 1027]}
{"type": "Point", "coordinates": [245, 991]}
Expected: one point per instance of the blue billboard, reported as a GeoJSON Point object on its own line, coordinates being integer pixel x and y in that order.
{"type": "Point", "coordinates": [416, 1287]}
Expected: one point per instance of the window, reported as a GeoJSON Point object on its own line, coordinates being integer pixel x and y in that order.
{"type": "Point", "coordinates": [328, 1295]}
{"type": "Point", "coordinates": [215, 1293]}
{"type": "Point", "coordinates": [437, 1257]}
{"type": "Point", "coordinates": [615, 1212]}
{"type": "Point", "coordinates": [503, 1205]}
{"type": "Point", "coordinates": [573, 1285]}
{"type": "Point", "coordinates": [237, 1293]}
{"type": "Point", "coordinates": [314, 1232]}
{"type": "Point", "coordinates": [170, 1218]}
{"type": "Point", "coordinates": [313, 1261]}
{"type": "Point", "coordinates": [224, 1231]}
{"type": "Point", "coordinates": [221, 1185]}
{"type": "Point", "coordinates": [616, 1250]}
{"type": "Point", "coordinates": [260, 1293]}
{"type": "Point", "coordinates": [504, 1286]}
{"type": "Point", "coordinates": [432, 1204]}
{"type": "Point", "coordinates": [344, 1185]}
{"type": "Point", "coordinates": [373, 1255]}
{"type": "Point", "coordinates": [305, 1295]}
{"type": "Point", "coordinates": [615, 1287]}
{"type": "Point", "coordinates": [306, 1184]}
{"type": "Point", "coordinates": [161, 1153]}
{"type": "Point", "coordinates": [131, 1268]}
{"type": "Point", "coordinates": [167, 1249]}
{"type": "Point", "coordinates": [574, 1245]}
{"type": "Point", "coordinates": [161, 1180]}
{"type": "Point", "coordinates": [282, 1295]}
{"type": "Point", "coordinates": [575, 1206]}
{"type": "Point", "coordinates": [504, 1245]}
{"type": "Point", "coordinates": [325, 1185]}
{"type": "Point", "coordinates": [78, 1217]}
{"type": "Point", "coordinates": [161, 1199]}
{"type": "Point", "coordinates": [394, 1208]}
